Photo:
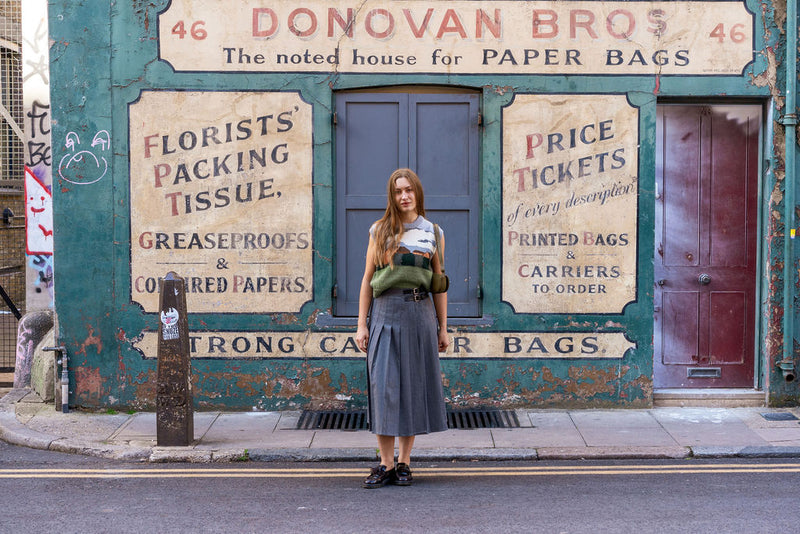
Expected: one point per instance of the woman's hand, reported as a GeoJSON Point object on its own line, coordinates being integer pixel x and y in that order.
{"type": "Point", "coordinates": [365, 298]}
{"type": "Point", "coordinates": [362, 338]}
{"type": "Point", "coordinates": [444, 340]}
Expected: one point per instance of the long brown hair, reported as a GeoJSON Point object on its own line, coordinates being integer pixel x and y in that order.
{"type": "Point", "coordinates": [389, 228]}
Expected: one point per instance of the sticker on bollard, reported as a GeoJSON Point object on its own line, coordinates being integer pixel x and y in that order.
{"type": "Point", "coordinates": [174, 401]}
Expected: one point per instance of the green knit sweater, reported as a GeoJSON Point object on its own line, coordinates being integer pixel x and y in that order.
{"type": "Point", "coordinates": [411, 264]}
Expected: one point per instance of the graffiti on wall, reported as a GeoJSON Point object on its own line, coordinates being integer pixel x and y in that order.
{"type": "Point", "coordinates": [36, 60]}
{"type": "Point", "coordinates": [85, 165]}
{"type": "Point", "coordinates": [38, 215]}
{"type": "Point", "coordinates": [39, 137]}
{"type": "Point", "coordinates": [38, 156]}
{"type": "Point", "coordinates": [42, 264]}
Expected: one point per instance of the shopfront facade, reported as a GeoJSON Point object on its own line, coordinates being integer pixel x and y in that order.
{"type": "Point", "coordinates": [609, 177]}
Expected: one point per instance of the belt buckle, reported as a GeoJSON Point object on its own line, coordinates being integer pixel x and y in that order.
{"type": "Point", "coordinates": [417, 295]}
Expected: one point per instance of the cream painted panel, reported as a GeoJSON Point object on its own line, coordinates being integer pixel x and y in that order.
{"type": "Point", "coordinates": [570, 197]}
{"type": "Point", "coordinates": [221, 193]}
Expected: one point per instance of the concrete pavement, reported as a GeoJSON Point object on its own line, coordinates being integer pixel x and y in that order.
{"type": "Point", "coordinates": [543, 435]}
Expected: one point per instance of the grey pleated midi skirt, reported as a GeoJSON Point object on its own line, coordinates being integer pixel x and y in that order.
{"type": "Point", "coordinates": [405, 381]}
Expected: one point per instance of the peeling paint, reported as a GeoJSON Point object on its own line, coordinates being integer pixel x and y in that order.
{"type": "Point", "coordinates": [90, 386]}
{"type": "Point", "coordinates": [91, 340]}
{"type": "Point", "coordinates": [113, 372]}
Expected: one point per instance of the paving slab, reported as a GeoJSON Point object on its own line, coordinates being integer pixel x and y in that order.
{"type": "Point", "coordinates": [758, 418]}
{"type": "Point", "coordinates": [288, 420]}
{"type": "Point", "coordinates": [712, 427]}
{"type": "Point", "coordinates": [247, 430]}
{"type": "Point", "coordinates": [330, 439]}
{"type": "Point", "coordinates": [780, 436]}
{"type": "Point", "coordinates": [27, 411]}
{"type": "Point", "coordinates": [141, 427]}
{"type": "Point", "coordinates": [621, 428]}
{"type": "Point", "coordinates": [698, 415]}
{"type": "Point", "coordinates": [547, 429]}
{"type": "Point", "coordinates": [86, 426]}
{"type": "Point", "coordinates": [454, 439]}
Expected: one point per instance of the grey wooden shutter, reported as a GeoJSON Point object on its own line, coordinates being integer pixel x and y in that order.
{"type": "Point", "coordinates": [436, 135]}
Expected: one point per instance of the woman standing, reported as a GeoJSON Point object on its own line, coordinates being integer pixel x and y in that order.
{"type": "Point", "coordinates": [402, 341]}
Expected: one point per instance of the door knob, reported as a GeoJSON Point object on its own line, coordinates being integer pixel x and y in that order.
{"type": "Point", "coordinates": [661, 282]}
{"type": "Point", "coordinates": [704, 279]}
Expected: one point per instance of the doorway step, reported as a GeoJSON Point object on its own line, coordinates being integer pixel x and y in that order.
{"type": "Point", "coordinates": [709, 398]}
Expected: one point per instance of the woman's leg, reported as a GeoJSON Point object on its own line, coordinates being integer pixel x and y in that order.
{"type": "Point", "coordinates": [402, 475]}
{"type": "Point", "coordinates": [384, 473]}
{"type": "Point", "coordinates": [405, 445]}
{"type": "Point", "coordinates": [386, 448]}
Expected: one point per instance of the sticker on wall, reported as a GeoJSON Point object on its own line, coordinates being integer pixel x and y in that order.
{"type": "Point", "coordinates": [38, 216]}
{"type": "Point", "coordinates": [169, 324]}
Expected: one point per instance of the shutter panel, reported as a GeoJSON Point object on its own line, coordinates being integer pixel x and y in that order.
{"type": "Point", "coordinates": [437, 136]}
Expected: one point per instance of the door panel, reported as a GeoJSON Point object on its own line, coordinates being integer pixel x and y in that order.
{"type": "Point", "coordinates": [437, 136]}
{"type": "Point", "coordinates": [679, 309]}
{"type": "Point", "coordinates": [728, 313]}
{"type": "Point", "coordinates": [705, 257]}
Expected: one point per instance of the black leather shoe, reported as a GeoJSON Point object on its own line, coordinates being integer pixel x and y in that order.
{"type": "Point", "coordinates": [402, 475]}
{"type": "Point", "coordinates": [378, 477]}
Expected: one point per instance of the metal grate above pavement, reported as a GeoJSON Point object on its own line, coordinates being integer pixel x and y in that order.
{"type": "Point", "coordinates": [352, 420]}
{"type": "Point", "coordinates": [779, 416]}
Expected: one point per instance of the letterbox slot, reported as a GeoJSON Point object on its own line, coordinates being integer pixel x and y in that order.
{"type": "Point", "coordinates": [703, 372]}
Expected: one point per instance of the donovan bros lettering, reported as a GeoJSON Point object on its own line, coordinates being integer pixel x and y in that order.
{"type": "Point", "coordinates": [458, 37]}
{"type": "Point", "coordinates": [221, 193]}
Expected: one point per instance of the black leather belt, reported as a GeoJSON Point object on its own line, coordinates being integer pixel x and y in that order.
{"type": "Point", "coordinates": [417, 294]}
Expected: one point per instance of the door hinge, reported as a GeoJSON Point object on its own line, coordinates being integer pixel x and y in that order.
{"type": "Point", "coordinates": [335, 291]}
{"type": "Point", "coordinates": [480, 119]}
{"type": "Point", "coordinates": [334, 119]}
{"type": "Point", "coordinates": [479, 293]}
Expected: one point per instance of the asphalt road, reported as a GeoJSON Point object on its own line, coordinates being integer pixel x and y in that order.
{"type": "Point", "coordinates": [43, 491]}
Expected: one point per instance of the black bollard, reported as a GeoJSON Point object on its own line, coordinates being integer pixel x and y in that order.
{"type": "Point", "coordinates": [174, 402]}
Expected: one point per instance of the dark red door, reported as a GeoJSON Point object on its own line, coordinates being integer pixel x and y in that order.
{"type": "Point", "coordinates": [705, 258]}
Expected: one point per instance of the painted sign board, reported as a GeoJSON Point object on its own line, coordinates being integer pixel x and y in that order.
{"type": "Point", "coordinates": [221, 193]}
{"type": "Point", "coordinates": [505, 345]}
{"type": "Point", "coordinates": [570, 198]}
{"type": "Point", "coordinates": [458, 37]}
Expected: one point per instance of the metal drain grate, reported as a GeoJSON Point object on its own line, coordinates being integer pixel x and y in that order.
{"type": "Point", "coordinates": [779, 416]}
{"type": "Point", "coordinates": [333, 420]}
{"type": "Point", "coordinates": [357, 419]}
{"type": "Point", "coordinates": [470, 419]}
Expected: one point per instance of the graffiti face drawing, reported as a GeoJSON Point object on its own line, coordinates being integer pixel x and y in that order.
{"type": "Point", "coordinates": [85, 167]}
{"type": "Point", "coordinates": [38, 216]}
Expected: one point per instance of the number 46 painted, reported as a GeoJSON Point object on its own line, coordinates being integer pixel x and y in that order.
{"type": "Point", "coordinates": [736, 35]}
{"type": "Point", "coordinates": [196, 30]}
